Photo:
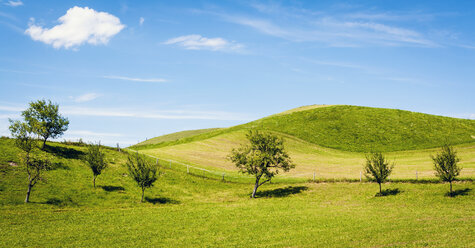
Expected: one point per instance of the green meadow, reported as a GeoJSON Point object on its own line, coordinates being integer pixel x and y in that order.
{"type": "Point", "coordinates": [331, 141]}
{"type": "Point", "coordinates": [193, 206]}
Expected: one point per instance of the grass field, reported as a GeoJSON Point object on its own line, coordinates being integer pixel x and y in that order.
{"type": "Point", "coordinates": [176, 136]}
{"type": "Point", "coordinates": [309, 158]}
{"type": "Point", "coordinates": [189, 210]}
{"type": "Point", "coordinates": [354, 129]}
{"type": "Point", "coordinates": [199, 209]}
{"type": "Point", "coordinates": [331, 141]}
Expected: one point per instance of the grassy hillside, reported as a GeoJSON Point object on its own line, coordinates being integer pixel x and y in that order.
{"type": "Point", "coordinates": [194, 211]}
{"type": "Point", "coordinates": [309, 158]}
{"type": "Point", "coordinates": [331, 140]}
{"type": "Point", "coordinates": [361, 129]}
{"type": "Point", "coordinates": [356, 129]}
{"type": "Point", "coordinates": [176, 136]}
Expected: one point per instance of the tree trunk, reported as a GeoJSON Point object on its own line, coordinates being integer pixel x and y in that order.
{"type": "Point", "coordinates": [450, 188]}
{"type": "Point", "coordinates": [255, 188]}
{"type": "Point", "coordinates": [27, 199]}
{"type": "Point", "coordinates": [44, 143]}
{"type": "Point", "coordinates": [380, 192]}
{"type": "Point", "coordinates": [143, 191]}
{"type": "Point", "coordinates": [94, 181]}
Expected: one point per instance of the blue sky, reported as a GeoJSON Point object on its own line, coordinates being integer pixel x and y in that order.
{"type": "Point", "coordinates": [123, 71]}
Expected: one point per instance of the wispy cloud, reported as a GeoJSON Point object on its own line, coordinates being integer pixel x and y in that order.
{"type": "Point", "coordinates": [14, 3]}
{"type": "Point", "coordinates": [86, 97]}
{"type": "Point", "coordinates": [335, 27]}
{"type": "Point", "coordinates": [169, 114]}
{"type": "Point", "coordinates": [134, 79]}
{"type": "Point", "coordinates": [94, 134]}
{"type": "Point", "coordinates": [78, 26]}
{"type": "Point", "coordinates": [141, 20]}
{"type": "Point", "coordinates": [11, 108]}
{"type": "Point", "coordinates": [198, 42]}
{"type": "Point", "coordinates": [338, 33]}
{"type": "Point", "coordinates": [9, 116]}
{"type": "Point", "coordinates": [174, 114]}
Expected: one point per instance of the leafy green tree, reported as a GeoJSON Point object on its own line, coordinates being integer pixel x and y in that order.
{"type": "Point", "coordinates": [445, 165]}
{"type": "Point", "coordinates": [24, 135]}
{"type": "Point", "coordinates": [377, 168]}
{"type": "Point", "coordinates": [263, 157]}
{"type": "Point", "coordinates": [34, 164]}
{"type": "Point", "coordinates": [143, 172]}
{"type": "Point", "coordinates": [44, 119]}
{"type": "Point", "coordinates": [95, 159]}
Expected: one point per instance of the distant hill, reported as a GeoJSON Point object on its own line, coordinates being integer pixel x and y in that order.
{"type": "Point", "coordinates": [348, 128]}
{"type": "Point", "coordinates": [176, 136]}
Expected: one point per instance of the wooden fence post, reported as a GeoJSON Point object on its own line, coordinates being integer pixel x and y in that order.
{"type": "Point", "coordinates": [417, 176]}
{"type": "Point", "coordinates": [314, 176]}
{"type": "Point", "coordinates": [361, 176]}
{"type": "Point", "coordinates": [188, 169]}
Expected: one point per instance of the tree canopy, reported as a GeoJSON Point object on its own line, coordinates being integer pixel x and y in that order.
{"type": "Point", "coordinates": [263, 157]}
{"type": "Point", "coordinates": [95, 159]}
{"type": "Point", "coordinates": [143, 172]}
{"type": "Point", "coordinates": [44, 119]}
{"type": "Point", "coordinates": [445, 165]}
{"type": "Point", "coordinates": [377, 168]}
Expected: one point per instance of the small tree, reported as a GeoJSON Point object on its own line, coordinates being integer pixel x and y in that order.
{"type": "Point", "coordinates": [377, 168]}
{"type": "Point", "coordinates": [44, 118]}
{"type": "Point", "coordinates": [35, 165]}
{"type": "Point", "coordinates": [143, 172]}
{"type": "Point", "coordinates": [95, 158]}
{"type": "Point", "coordinates": [262, 158]}
{"type": "Point", "coordinates": [445, 165]}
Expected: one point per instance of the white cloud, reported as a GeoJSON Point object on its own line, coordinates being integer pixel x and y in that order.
{"type": "Point", "coordinates": [338, 33]}
{"type": "Point", "coordinates": [169, 115]}
{"type": "Point", "coordinates": [141, 20]}
{"type": "Point", "coordinates": [198, 42]}
{"type": "Point", "coordinates": [14, 3]}
{"type": "Point", "coordinates": [11, 109]}
{"type": "Point", "coordinates": [91, 133]}
{"type": "Point", "coordinates": [86, 97]}
{"type": "Point", "coordinates": [148, 80]}
{"type": "Point", "coordinates": [78, 26]}
{"type": "Point", "coordinates": [146, 114]}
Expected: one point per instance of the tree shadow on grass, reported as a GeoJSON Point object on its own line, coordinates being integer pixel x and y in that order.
{"type": "Point", "coordinates": [59, 166]}
{"type": "Point", "coordinates": [64, 152]}
{"type": "Point", "coordinates": [458, 192]}
{"type": "Point", "coordinates": [161, 200]}
{"type": "Point", "coordinates": [388, 192]}
{"type": "Point", "coordinates": [60, 202]}
{"type": "Point", "coordinates": [281, 192]}
{"type": "Point", "coordinates": [110, 188]}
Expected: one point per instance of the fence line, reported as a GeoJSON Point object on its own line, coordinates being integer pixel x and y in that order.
{"type": "Point", "coordinates": [188, 166]}
{"type": "Point", "coordinates": [223, 175]}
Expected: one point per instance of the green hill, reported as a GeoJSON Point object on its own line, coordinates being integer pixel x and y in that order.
{"type": "Point", "coordinates": [353, 128]}
{"type": "Point", "coordinates": [193, 210]}
{"type": "Point", "coordinates": [176, 136]}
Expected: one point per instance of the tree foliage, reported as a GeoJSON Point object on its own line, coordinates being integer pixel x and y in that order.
{"type": "Point", "coordinates": [95, 159]}
{"type": "Point", "coordinates": [44, 119]}
{"type": "Point", "coordinates": [23, 134]}
{"type": "Point", "coordinates": [377, 168]}
{"type": "Point", "coordinates": [263, 157]}
{"type": "Point", "coordinates": [143, 172]}
{"type": "Point", "coordinates": [34, 164]}
{"type": "Point", "coordinates": [445, 165]}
